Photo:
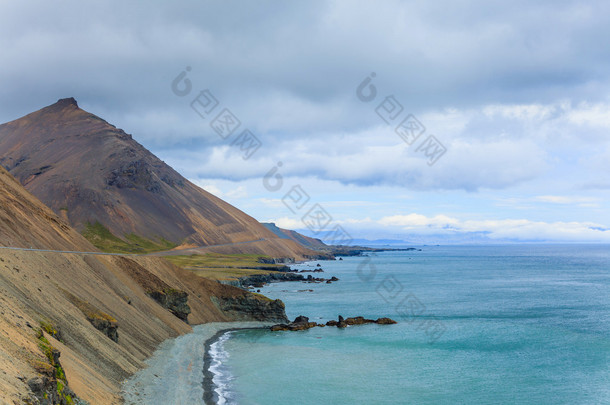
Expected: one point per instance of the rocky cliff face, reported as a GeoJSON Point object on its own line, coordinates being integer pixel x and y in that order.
{"type": "Point", "coordinates": [260, 279]}
{"type": "Point", "coordinates": [252, 307]}
{"type": "Point", "coordinates": [50, 385]}
{"type": "Point", "coordinates": [107, 327]}
{"type": "Point", "coordinates": [174, 300]}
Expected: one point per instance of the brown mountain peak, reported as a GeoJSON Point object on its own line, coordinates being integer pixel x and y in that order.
{"type": "Point", "coordinates": [65, 102]}
{"type": "Point", "coordinates": [89, 171]}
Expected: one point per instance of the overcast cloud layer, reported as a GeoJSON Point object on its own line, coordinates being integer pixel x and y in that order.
{"type": "Point", "coordinates": [516, 92]}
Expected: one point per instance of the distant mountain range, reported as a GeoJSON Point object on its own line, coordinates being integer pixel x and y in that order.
{"type": "Point", "coordinates": [103, 182]}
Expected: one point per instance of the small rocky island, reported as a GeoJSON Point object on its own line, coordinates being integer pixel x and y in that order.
{"type": "Point", "coordinates": [302, 323]}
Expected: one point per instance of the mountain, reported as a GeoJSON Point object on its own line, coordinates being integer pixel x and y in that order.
{"type": "Point", "coordinates": [101, 181]}
{"type": "Point", "coordinates": [308, 242]}
{"type": "Point", "coordinates": [79, 324]}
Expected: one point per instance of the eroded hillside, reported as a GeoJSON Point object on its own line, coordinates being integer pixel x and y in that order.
{"type": "Point", "coordinates": [83, 298]}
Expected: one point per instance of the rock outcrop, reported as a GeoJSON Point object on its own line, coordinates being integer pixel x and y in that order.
{"type": "Point", "coordinates": [100, 320]}
{"type": "Point", "coordinates": [302, 323]}
{"type": "Point", "coordinates": [275, 260]}
{"type": "Point", "coordinates": [50, 385]}
{"type": "Point", "coordinates": [258, 280]}
{"type": "Point", "coordinates": [108, 326]}
{"type": "Point", "coordinates": [250, 306]}
{"type": "Point", "coordinates": [173, 300]}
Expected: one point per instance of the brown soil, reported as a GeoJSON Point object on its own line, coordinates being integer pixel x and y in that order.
{"type": "Point", "coordinates": [32, 286]}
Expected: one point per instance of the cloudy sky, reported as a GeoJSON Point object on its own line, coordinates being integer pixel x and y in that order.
{"type": "Point", "coordinates": [503, 107]}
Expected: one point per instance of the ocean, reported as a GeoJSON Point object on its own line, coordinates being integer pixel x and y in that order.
{"type": "Point", "coordinates": [514, 324]}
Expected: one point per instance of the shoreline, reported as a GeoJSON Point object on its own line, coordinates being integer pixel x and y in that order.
{"type": "Point", "coordinates": [175, 373]}
{"type": "Point", "coordinates": [179, 369]}
{"type": "Point", "coordinates": [210, 396]}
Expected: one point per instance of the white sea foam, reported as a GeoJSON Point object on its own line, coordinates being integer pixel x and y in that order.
{"type": "Point", "coordinates": [222, 375]}
{"type": "Point", "coordinates": [175, 371]}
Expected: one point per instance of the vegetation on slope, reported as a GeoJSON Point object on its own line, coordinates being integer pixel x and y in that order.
{"type": "Point", "coordinates": [64, 395]}
{"type": "Point", "coordinates": [219, 266]}
{"type": "Point", "coordinates": [106, 241]}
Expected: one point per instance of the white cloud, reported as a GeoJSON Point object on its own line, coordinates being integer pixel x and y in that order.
{"type": "Point", "coordinates": [523, 106]}
{"type": "Point", "coordinates": [414, 221]}
{"type": "Point", "coordinates": [286, 223]}
{"type": "Point", "coordinates": [212, 189]}
{"type": "Point", "coordinates": [521, 229]}
{"type": "Point", "coordinates": [271, 202]}
{"type": "Point", "coordinates": [569, 200]}
{"type": "Point", "coordinates": [239, 192]}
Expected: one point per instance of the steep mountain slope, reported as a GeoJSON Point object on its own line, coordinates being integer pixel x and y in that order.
{"type": "Point", "coordinates": [89, 171]}
{"type": "Point", "coordinates": [84, 297]}
{"type": "Point", "coordinates": [306, 241]}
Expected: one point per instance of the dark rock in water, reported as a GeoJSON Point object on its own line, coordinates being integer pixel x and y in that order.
{"type": "Point", "coordinates": [328, 282]}
{"type": "Point", "coordinates": [318, 265]}
{"type": "Point", "coordinates": [301, 319]}
{"type": "Point", "coordinates": [293, 326]}
{"type": "Point", "coordinates": [385, 321]}
{"type": "Point", "coordinates": [300, 323]}
{"type": "Point", "coordinates": [358, 320]}
{"type": "Point", "coordinates": [340, 258]}
{"type": "Point", "coordinates": [258, 280]}
{"type": "Point", "coordinates": [303, 326]}
{"type": "Point", "coordinates": [320, 270]}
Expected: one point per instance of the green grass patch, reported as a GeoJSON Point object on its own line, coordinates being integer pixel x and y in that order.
{"type": "Point", "coordinates": [60, 375]}
{"type": "Point", "coordinates": [106, 241]}
{"type": "Point", "coordinates": [50, 329]}
{"type": "Point", "coordinates": [219, 266]}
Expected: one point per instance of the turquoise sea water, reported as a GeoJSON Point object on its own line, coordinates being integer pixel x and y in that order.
{"type": "Point", "coordinates": [477, 325]}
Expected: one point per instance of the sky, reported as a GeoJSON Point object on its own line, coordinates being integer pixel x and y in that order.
{"type": "Point", "coordinates": [417, 121]}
